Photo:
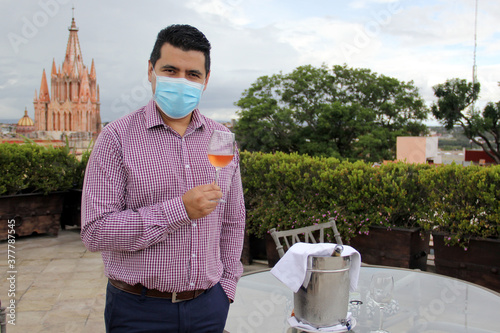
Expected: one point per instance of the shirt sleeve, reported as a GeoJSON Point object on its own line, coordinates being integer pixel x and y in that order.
{"type": "Point", "coordinates": [232, 235]}
{"type": "Point", "coordinates": [107, 224]}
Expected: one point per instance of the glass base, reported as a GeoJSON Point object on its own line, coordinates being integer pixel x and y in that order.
{"type": "Point", "coordinates": [380, 331]}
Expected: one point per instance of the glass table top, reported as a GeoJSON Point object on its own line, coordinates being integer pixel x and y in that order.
{"type": "Point", "coordinates": [423, 302]}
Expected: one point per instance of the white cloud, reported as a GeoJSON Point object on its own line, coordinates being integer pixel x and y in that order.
{"type": "Point", "coordinates": [229, 11]}
{"type": "Point", "coordinates": [361, 4]}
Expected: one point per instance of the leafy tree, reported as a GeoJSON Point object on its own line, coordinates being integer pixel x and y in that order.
{"type": "Point", "coordinates": [339, 112]}
{"type": "Point", "coordinates": [453, 107]}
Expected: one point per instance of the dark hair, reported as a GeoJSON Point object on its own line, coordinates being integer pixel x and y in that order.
{"type": "Point", "coordinates": [185, 37]}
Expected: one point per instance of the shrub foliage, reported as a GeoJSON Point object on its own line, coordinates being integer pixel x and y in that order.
{"type": "Point", "coordinates": [30, 168]}
{"type": "Point", "coordinates": [287, 191]}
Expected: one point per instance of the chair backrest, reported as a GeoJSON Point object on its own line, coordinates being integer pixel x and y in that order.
{"type": "Point", "coordinates": [304, 234]}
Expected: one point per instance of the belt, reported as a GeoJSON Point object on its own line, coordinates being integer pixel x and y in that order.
{"type": "Point", "coordinates": [175, 297]}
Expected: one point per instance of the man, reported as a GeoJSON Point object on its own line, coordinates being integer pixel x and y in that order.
{"type": "Point", "coordinates": [171, 249]}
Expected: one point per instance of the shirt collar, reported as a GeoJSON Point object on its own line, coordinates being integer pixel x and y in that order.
{"type": "Point", "coordinates": [197, 120]}
{"type": "Point", "coordinates": [153, 117]}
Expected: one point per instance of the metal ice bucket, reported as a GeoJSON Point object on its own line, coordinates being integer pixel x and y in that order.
{"type": "Point", "coordinates": [323, 298]}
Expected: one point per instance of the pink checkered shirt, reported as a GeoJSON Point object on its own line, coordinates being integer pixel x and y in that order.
{"type": "Point", "coordinates": [133, 213]}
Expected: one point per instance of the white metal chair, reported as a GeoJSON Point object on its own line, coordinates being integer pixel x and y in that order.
{"type": "Point", "coordinates": [305, 234]}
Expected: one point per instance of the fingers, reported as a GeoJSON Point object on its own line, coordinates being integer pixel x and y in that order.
{"type": "Point", "coordinates": [201, 200]}
{"type": "Point", "coordinates": [212, 191]}
{"type": "Point", "coordinates": [213, 187]}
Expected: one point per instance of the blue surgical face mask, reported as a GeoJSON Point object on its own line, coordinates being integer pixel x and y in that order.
{"type": "Point", "coordinates": [177, 97]}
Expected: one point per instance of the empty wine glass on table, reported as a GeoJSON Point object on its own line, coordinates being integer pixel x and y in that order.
{"type": "Point", "coordinates": [221, 151]}
{"type": "Point", "coordinates": [381, 288]}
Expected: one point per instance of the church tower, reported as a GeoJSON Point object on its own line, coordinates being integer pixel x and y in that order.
{"type": "Point", "coordinates": [72, 106]}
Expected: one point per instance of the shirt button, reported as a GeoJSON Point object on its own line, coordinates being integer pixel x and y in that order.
{"type": "Point", "coordinates": [193, 255]}
{"type": "Point", "coordinates": [187, 166]}
{"type": "Point", "coordinates": [191, 284]}
{"type": "Point", "coordinates": [194, 225]}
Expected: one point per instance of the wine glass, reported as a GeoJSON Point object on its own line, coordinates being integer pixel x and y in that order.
{"type": "Point", "coordinates": [381, 288]}
{"type": "Point", "coordinates": [221, 150]}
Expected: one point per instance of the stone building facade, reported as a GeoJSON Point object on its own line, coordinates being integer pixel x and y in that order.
{"type": "Point", "coordinates": [72, 105]}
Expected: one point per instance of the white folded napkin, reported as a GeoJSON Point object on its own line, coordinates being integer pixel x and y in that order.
{"type": "Point", "coordinates": [292, 268]}
{"type": "Point", "coordinates": [350, 323]}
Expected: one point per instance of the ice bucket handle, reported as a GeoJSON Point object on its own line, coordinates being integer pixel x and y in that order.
{"type": "Point", "coordinates": [328, 271]}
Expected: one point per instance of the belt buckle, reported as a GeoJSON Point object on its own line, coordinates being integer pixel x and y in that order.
{"type": "Point", "coordinates": [174, 298]}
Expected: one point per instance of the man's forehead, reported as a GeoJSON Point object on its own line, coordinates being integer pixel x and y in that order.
{"type": "Point", "coordinates": [170, 54]}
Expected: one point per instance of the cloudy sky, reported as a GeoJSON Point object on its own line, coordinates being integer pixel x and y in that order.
{"type": "Point", "coordinates": [424, 41]}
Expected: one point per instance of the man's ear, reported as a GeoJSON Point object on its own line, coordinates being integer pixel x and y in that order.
{"type": "Point", "coordinates": [206, 80]}
{"type": "Point", "coordinates": [150, 71]}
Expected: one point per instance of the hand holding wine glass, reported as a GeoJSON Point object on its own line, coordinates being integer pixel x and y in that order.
{"type": "Point", "coordinates": [221, 151]}
{"type": "Point", "coordinates": [381, 288]}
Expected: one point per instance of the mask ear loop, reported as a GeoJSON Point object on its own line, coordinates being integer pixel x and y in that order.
{"type": "Point", "coordinates": [204, 86]}
{"type": "Point", "coordinates": [154, 73]}
{"type": "Point", "coordinates": [153, 70]}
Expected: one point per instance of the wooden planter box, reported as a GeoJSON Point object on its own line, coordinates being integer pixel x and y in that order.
{"type": "Point", "coordinates": [72, 209]}
{"type": "Point", "coordinates": [33, 213]}
{"type": "Point", "coordinates": [397, 247]}
{"type": "Point", "coordinates": [254, 248]}
{"type": "Point", "coordinates": [480, 264]}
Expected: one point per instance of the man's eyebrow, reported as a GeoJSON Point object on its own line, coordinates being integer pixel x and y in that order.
{"type": "Point", "coordinates": [191, 71]}
{"type": "Point", "coordinates": [169, 67]}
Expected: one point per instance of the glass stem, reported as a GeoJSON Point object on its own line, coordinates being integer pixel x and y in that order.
{"type": "Point", "coordinates": [381, 319]}
{"type": "Point", "coordinates": [217, 175]}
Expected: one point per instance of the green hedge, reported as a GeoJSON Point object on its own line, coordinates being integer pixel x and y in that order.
{"type": "Point", "coordinates": [464, 202]}
{"type": "Point", "coordinates": [282, 190]}
{"type": "Point", "coordinates": [30, 168]}
{"type": "Point", "coordinates": [286, 191]}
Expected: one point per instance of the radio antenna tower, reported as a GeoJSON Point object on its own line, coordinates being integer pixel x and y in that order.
{"type": "Point", "coordinates": [474, 67]}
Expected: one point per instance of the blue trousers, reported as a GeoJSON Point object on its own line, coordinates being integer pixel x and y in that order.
{"type": "Point", "coordinates": [129, 313]}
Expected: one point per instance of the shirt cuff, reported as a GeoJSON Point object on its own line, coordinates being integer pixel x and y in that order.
{"type": "Point", "coordinates": [175, 213]}
{"type": "Point", "coordinates": [229, 287]}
